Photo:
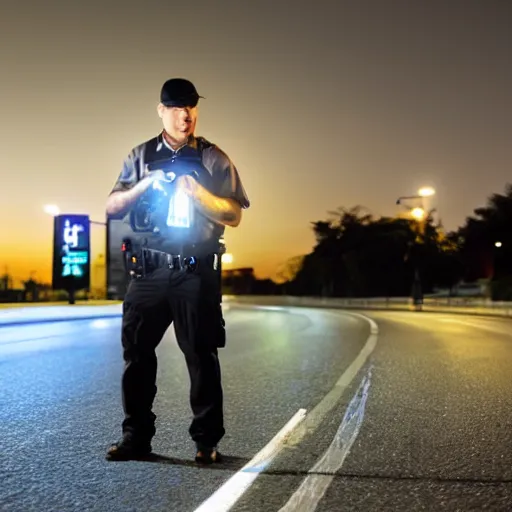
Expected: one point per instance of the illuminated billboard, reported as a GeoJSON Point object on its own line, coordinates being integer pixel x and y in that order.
{"type": "Point", "coordinates": [71, 252]}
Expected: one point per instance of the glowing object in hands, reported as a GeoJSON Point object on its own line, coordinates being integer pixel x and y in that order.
{"type": "Point", "coordinates": [178, 215]}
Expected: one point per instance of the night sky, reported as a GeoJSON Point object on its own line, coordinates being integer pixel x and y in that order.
{"type": "Point", "coordinates": [319, 104]}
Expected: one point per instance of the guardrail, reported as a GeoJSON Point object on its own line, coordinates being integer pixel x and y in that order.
{"type": "Point", "coordinates": [482, 307]}
{"type": "Point", "coordinates": [40, 314]}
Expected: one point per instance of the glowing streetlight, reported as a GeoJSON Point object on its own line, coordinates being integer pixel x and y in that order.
{"type": "Point", "coordinates": [498, 244]}
{"type": "Point", "coordinates": [426, 192]}
{"type": "Point", "coordinates": [52, 209]}
{"type": "Point", "coordinates": [227, 258]}
{"type": "Point", "coordinates": [418, 213]}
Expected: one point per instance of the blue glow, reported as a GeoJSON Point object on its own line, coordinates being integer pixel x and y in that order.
{"type": "Point", "coordinates": [72, 261]}
{"type": "Point", "coordinates": [157, 185]}
{"type": "Point", "coordinates": [70, 233]}
{"type": "Point", "coordinates": [72, 264]}
{"type": "Point", "coordinates": [257, 468]}
{"type": "Point", "coordinates": [100, 324]}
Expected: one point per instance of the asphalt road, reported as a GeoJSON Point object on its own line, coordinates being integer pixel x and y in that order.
{"type": "Point", "coordinates": [425, 424]}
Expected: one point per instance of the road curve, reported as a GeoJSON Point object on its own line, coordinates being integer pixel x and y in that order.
{"type": "Point", "coordinates": [60, 407]}
{"type": "Point", "coordinates": [427, 425]}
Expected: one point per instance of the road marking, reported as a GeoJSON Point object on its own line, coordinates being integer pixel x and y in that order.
{"type": "Point", "coordinates": [307, 497]}
{"type": "Point", "coordinates": [293, 432]}
{"type": "Point", "coordinates": [313, 488]}
{"type": "Point", "coordinates": [329, 401]}
{"type": "Point", "coordinates": [226, 496]}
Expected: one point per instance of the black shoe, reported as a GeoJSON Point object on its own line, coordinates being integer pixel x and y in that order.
{"type": "Point", "coordinates": [207, 455]}
{"type": "Point", "coordinates": [127, 449]}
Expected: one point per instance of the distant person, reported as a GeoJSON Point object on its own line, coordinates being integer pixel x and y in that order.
{"type": "Point", "coordinates": [175, 269]}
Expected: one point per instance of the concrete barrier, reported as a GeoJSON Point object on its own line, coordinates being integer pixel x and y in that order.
{"type": "Point", "coordinates": [62, 313]}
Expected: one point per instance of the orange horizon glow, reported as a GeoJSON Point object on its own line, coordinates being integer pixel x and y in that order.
{"type": "Point", "coordinates": [323, 123]}
{"type": "Point", "coordinates": [42, 271]}
{"type": "Point", "coordinates": [23, 260]}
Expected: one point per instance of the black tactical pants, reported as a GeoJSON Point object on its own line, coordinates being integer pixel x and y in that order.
{"type": "Point", "coordinates": [191, 301]}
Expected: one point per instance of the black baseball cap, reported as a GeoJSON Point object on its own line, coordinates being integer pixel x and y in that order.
{"type": "Point", "coordinates": [179, 92]}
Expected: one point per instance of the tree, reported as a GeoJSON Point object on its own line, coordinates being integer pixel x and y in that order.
{"type": "Point", "coordinates": [481, 257]}
{"type": "Point", "coordinates": [359, 255]}
{"type": "Point", "coordinates": [289, 270]}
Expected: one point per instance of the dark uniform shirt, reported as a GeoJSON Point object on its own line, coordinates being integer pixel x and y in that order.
{"type": "Point", "coordinates": [212, 168]}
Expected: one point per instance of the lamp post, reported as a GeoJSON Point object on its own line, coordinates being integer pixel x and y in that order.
{"type": "Point", "coordinates": [420, 216]}
{"type": "Point", "coordinates": [426, 192]}
{"type": "Point", "coordinates": [51, 209]}
{"type": "Point", "coordinates": [54, 211]}
{"type": "Point", "coordinates": [494, 280]}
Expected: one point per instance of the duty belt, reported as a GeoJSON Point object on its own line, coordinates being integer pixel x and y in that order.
{"type": "Point", "coordinates": [150, 260]}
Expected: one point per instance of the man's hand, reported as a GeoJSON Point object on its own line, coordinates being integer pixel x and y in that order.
{"type": "Point", "coordinates": [153, 176]}
{"type": "Point", "coordinates": [120, 202]}
{"type": "Point", "coordinates": [219, 209]}
{"type": "Point", "coordinates": [189, 185]}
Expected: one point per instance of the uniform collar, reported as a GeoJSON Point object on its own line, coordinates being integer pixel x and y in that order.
{"type": "Point", "coordinates": [192, 143]}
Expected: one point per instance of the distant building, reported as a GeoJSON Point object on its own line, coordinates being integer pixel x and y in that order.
{"type": "Point", "coordinates": [238, 281]}
{"type": "Point", "coordinates": [242, 281]}
{"type": "Point", "coordinates": [5, 282]}
{"type": "Point", "coordinates": [7, 292]}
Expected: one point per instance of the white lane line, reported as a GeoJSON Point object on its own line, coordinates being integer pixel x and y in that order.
{"type": "Point", "coordinates": [307, 497]}
{"type": "Point", "coordinates": [228, 494]}
{"type": "Point", "coordinates": [293, 432]}
{"type": "Point", "coordinates": [329, 401]}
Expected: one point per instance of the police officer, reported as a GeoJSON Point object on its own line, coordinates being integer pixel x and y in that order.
{"type": "Point", "coordinates": [175, 277]}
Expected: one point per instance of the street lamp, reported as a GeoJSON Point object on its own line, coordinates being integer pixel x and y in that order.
{"type": "Point", "coordinates": [52, 209]}
{"type": "Point", "coordinates": [419, 214]}
{"type": "Point", "coordinates": [422, 193]}
{"type": "Point", "coordinates": [227, 258]}
{"type": "Point", "coordinates": [426, 192]}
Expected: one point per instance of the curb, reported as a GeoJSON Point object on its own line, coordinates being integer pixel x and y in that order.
{"type": "Point", "coordinates": [57, 319]}
{"type": "Point", "coordinates": [483, 311]}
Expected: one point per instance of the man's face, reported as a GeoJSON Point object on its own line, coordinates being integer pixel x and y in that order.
{"type": "Point", "coordinates": [179, 122]}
